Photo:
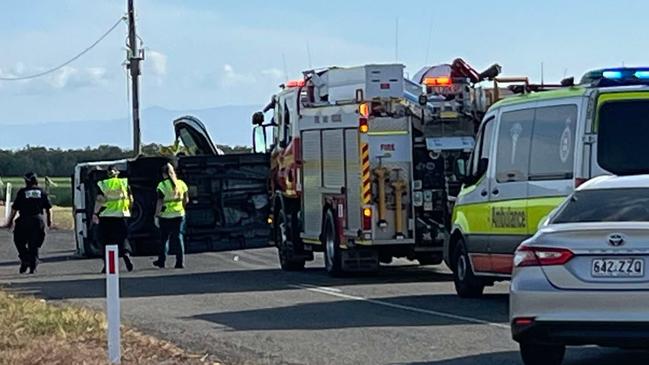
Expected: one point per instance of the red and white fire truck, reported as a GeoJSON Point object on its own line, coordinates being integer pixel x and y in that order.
{"type": "Point", "coordinates": [364, 163]}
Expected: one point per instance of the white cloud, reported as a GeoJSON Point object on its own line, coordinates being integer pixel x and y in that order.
{"type": "Point", "coordinates": [65, 78]}
{"type": "Point", "coordinates": [75, 78]}
{"type": "Point", "coordinates": [158, 62]}
{"type": "Point", "coordinates": [273, 73]}
{"type": "Point", "coordinates": [230, 77]}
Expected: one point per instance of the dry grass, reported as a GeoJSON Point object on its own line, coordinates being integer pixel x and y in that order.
{"type": "Point", "coordinates": [61, 216]}
{"type": "Point", "coordinates": [34, 332]}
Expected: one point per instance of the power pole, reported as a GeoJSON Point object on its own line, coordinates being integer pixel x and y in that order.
{"type": "Point", "coordinates": [134, 56]}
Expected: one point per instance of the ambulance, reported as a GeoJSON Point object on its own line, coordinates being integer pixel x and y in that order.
{"type": "Point", "coordinates": [532, 151]}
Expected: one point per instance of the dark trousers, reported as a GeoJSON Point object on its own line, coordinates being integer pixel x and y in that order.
{"type": "Point", "coordinates": [113, 231]}
{"type": "Point", "coordinates": [171, 236]}
{"type": "Point", "coordinates": [29, 235]}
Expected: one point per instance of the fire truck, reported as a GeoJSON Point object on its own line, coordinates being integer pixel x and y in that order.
{"type": "Point", "coordinates": [365, 163]}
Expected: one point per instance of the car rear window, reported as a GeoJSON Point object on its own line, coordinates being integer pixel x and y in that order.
{"type": "Point", "coordinates": [606, 205]}
{"type": "Point", "coordinates": [623, 133]}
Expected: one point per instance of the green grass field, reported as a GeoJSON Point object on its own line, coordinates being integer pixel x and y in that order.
{"type": "Point", "coordinates": [60, 193]}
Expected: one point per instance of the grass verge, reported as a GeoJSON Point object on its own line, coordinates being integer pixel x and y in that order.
{"type": "Point", "coordinates": [35, 332]}
{"type": "Point", "coordinates": [61, 216]}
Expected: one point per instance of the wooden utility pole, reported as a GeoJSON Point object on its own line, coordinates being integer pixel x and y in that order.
{"type": "Point", "coordinates": [134, 57]}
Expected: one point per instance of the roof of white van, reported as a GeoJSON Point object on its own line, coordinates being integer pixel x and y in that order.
{"type": "Point", "coordinates": [616, 182]}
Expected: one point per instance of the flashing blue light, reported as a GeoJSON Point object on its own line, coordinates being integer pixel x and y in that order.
{"type": "Point", "coordinates": [644, 74]}
{"type": "Point", "coordinates": [612, 74]}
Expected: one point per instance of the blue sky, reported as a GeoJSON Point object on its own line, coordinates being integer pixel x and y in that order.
{"type": "Point", "coordinates": [205, 53]}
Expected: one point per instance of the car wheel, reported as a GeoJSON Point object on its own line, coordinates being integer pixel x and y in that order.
{"type": "Point", "coordinates": [284, 234]}
{"type": "Point", "coordinates": [533, 354]}
{"type": "Point", "coordinates": [333, 261]}
{"type": "Point", "coordinates": [467, 285]}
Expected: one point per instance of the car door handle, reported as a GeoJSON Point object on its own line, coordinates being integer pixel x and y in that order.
{"type": "Point", "coordinates": [495, 191]}
{"type": "Point", "coordinates": [483, 193]}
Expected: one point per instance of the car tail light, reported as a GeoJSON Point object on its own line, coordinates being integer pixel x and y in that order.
{"type": "Point", "coordinates": [367, 219]}
{"type": "Point", "coordinates": [541, 256]}
{"type": "Point", "coordinates": [523, 321]}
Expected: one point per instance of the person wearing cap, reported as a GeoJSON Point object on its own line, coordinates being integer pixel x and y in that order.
{"type": "Point", "coordinates": [170, 216]}
{"type": "Point", "coordinates": [29, 232]}
{"type": "Point", "coordinates": [111, 212]}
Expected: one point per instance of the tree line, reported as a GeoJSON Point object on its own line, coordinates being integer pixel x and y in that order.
{"type": "Point", "coordinates": [56, 162]}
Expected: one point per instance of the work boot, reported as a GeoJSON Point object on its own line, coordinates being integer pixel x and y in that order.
{"type": "Point", "coordinates": [159, 264]}
{"type": "Point", "coordinates": [23, 267]}
{"type": "Point", "coordinates": [179, 265]}
{"type": "Point", "coordinates": [128, 263]}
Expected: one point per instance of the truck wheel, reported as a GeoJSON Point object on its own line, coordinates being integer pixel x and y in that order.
{"type": "Point", "coordinates": [284, 238]}
{"type": "Point", "coordinates": [467, 285]}
{"type": "Point", "coordinates": [533, 354]}
{"type": "Point", "coordinates": [333, 261]}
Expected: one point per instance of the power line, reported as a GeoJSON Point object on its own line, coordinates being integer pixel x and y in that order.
{"type": "Point", "coordinates": [54, 69]}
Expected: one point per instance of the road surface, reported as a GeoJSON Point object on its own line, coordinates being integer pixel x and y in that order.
{"type": "Point", "coordinates": [241, 308]}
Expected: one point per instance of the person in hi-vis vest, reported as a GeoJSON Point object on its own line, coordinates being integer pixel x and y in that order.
{"type": "Point", "coordinates": [112, 210]}
{"type": "Point", "coordinates": [170, 216]}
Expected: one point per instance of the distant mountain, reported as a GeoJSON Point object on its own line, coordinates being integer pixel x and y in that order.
{"type": "Point", "coordinates": [228, 125]}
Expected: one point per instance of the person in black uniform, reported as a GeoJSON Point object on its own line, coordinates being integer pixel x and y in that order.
{"type": "Point", "coordinates": [29, 232]}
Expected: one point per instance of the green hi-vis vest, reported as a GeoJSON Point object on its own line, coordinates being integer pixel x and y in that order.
{"type": "Point", "coordinates": [118, 203]}
{"type": "Point", "coordinates": [173, 206]}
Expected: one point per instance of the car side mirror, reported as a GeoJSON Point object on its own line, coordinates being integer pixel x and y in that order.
{"type": "Point", "coordinates": [258, 118]}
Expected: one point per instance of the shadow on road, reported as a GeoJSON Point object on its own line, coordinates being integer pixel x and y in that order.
{"type": "Point", "coordinates": [217, 282]}
{"type": "Point", "coordinates": [335, 314]}
{"type": "Point", "coordinates": [574, 356]}
{"type": "Point", "coordinates": [48, 259]}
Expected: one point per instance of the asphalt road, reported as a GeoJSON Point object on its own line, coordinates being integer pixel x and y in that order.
{"type": "Point", "coordinates": [241, 308]}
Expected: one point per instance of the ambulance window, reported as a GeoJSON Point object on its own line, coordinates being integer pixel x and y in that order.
{"type": "Point", "coordinates": [623, 133]}
{"type": "Point", "coordinates": [513, 150]}
{"type": "Point", "coordinates": [553, 143]}
{"type": "Point", "coordinates": [482, 149]}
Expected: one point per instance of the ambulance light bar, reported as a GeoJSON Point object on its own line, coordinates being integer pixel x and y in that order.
{"type": "Point", "coordinates": [617, 76]}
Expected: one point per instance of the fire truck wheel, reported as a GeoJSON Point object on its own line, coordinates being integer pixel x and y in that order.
{"type": "Point", "coordinates": [333, 256]}
{"type": "Point", "coordinates": [285, 245]}
{"type": "Point", "coordinates": [467, 285]}
{"type": "Point", "coordinates": [430, 260]}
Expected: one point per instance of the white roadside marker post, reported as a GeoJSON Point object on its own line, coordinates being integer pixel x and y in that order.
{"type": "Point", "coordinates": [8, 202]}
{"type": "Point", "coordinates": [112, 303]}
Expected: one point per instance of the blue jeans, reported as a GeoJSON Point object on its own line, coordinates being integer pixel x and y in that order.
{"type": "Point", "coordinates": [171, 236]}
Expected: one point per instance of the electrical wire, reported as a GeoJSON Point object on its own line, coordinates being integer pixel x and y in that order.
{"type": "Point", "coordinates": [79, 55]}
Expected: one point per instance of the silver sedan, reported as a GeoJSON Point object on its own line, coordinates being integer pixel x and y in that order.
{"type": "Point", "coordinates": [582, 279]}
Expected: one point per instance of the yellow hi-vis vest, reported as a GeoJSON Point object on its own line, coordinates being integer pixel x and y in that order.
{"type": "Point", "coordinates": [173, 206]}
{"type": "Point", "coordinates": [118, 202]}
